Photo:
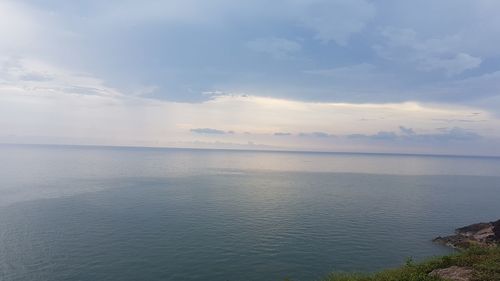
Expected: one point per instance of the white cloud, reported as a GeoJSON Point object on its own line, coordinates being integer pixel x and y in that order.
{"type": "Point", "coordinates": [30, 81]}
{"type": "Point", "coordinates": [35, 77]}
{"type": "Point", "coordinates": [26, 30]}
{"type": "Point", "coordinates": [18, 26]}
{"type": "Point", "coordinates": [45, 107]}
{"type": "Point", "coordinates": [41, 94]}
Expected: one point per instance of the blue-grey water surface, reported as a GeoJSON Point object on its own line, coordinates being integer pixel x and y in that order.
{"type": "Point", "coordinates": [102, 213]}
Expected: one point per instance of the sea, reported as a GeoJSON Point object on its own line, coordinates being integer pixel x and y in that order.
{"type": "Point", "coordinates": [129, 213]}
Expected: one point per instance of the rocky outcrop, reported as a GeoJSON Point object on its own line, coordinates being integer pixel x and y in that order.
{"type": "Point", "coordinates": [483, 234]}
{"type": "Point", "coordinates": [453, 273]}
{"type": "Point", "coordinates": [496, 231]}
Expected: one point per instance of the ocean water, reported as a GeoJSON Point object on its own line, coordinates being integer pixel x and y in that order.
{"type": "Point", "coordinates": [102, 213]}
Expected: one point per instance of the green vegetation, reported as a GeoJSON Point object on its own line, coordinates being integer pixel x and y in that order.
{"type": "Point", "coordinates": [485, 264]}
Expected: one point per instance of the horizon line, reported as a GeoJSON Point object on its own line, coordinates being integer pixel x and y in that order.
{"type": "Point", "coordinates": [256, 150]}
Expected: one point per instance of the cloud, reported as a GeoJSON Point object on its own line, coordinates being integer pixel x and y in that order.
{"type": "Point", "coordinates": [18, 26]}
{"type": "Point", "coordinates": [210, 131]}
{"type": "Point", "coordinates": [403, 45]}
{"type": "Point", "coordinates": [279, 48]}
{"type": "Point", "coordinates": [53, 114]}
{"type": "Point", "coordinates": [316, 134]}
{"type": "Point", "coordinates": [355, 76]}
{"type": "Point", "coordinates": [336, 20]}
{"type": "Point", "coordinates": [328, 20]}
{"type": "Point", "coordinates": [458, 120]}
{"type": "Point", "coordinates": [281, 134]}
{"type": "Point", "coordinates": [471, 88]}
{"type": "Point", "coordinates": [362, 80]}
{"type": "Point", "coordinates": [454, 134]}
{"type": "Point", "coordinates": [453, 65]}
{"type": "Point", "coordinates": [33, 76]}
{"type": "Point", "coordinates": [382, 135]}
{"type": "Point", "coordinates": [72, 90]}
{"type": "Point", "coordinates": [345, 71]}
{"type": "Point", "coordinates": [224, 145]}
{"type": "Point", "coordinates": [145, 90]}
{"type": "Point", "coordinates": [406, 131]}
{"type": "Point", "coordinates": [458, 45]}
{"type": "Point", "coordinates": [408, 135]}
{"type": "Point", "coordinates": [365, 67]}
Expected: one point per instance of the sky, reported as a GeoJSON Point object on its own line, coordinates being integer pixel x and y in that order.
{"type": "Point", "coordinates": [386, 76]}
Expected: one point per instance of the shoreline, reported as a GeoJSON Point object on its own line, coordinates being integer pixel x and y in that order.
{"type": "Point", "coordinates": [483, 234]}
{"type": "Point", "coordinates": [478, 259]}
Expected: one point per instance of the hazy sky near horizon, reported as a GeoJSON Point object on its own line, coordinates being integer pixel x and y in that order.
{"type": "Point", "coordinates": [336, 75]}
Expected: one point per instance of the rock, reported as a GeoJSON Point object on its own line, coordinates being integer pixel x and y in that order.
{"type": "Point", "coordinates": [496, 230]}
{"type": "Point", "coordinates": [454, 241]}
{"type": "Point", "coordinates": [453, 273]}
{"type": "Point", "coordinates": [483, 234]}
{"type": "Point", "coordinates": [473, 228]}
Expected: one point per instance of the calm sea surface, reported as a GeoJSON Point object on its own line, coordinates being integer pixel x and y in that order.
{"type": "Point", "coordinates": [96, 213]}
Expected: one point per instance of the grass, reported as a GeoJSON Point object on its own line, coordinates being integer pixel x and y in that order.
{"type": "Point", "coordinates": [484, 262]}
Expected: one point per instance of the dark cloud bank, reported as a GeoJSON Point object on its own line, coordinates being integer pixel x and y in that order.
{"type": "Point", "coordinates": [408, 134]}
{"type": "Point", "coordinates": [210, 131]}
